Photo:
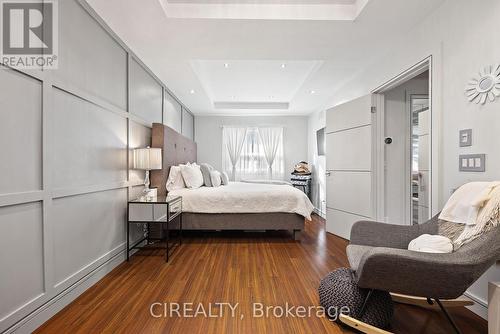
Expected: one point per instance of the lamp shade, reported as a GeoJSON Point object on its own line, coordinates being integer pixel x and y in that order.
{"type": "Point", "coordinates": [147, 158]}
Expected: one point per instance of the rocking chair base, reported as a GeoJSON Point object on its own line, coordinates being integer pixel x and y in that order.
{"type": "Point", "coordinates": [361, 326]}
{"type": "Point", "coordinates": [422, 301]}
{"type": "Point", "coordinates": [409, 300]}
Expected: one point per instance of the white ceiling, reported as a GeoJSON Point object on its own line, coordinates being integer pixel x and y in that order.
{"type": "Point", "coordinates": [253, 80]}
{"type": "Point", "coordinates": [189, 55]}
{"type": "Point", "coordinates": [303, 2]}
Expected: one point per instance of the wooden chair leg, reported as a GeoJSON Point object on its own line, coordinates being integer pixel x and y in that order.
{"type": "Point", "coordinates": [448, 317]}
{"type": "Point", "coordinates": [361, 326]}
{"type": "Point", "coordinates": [422, 301]}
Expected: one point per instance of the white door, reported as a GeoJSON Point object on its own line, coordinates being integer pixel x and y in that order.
{"type": "Point", "coordinates": [401, 166]}
{"type": "Point", "coordinates": [350, 176]}
{"type": "Point", "coordinates": [397, 156]}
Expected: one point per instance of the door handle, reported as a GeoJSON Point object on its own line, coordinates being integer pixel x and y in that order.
{"type": "Point", "coordinates": [328, 173]}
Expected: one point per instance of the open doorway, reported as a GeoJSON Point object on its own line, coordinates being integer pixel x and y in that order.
{"type": "Point", "coordinates": [404, 128]}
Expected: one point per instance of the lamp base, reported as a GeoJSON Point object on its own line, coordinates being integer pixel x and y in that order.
{"type": "Point", "coordinates": [148, 193]}
{"type": "Point", "coordinates": [146, 183]}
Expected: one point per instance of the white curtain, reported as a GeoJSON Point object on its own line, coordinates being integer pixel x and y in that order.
{"type": "Point", "coordinates": [233, 139]}
{"type": "Point", "coordinates": [271, 139]}
{"type": "Point", "coordinates": [252, 162]}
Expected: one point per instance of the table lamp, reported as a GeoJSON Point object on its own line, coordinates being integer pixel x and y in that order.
{"type": "Point", "coordinates": [147, 159]}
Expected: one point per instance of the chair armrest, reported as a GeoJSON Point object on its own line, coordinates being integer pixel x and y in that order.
{"type": "Point", "coordinates": [369, 233]}
{"type": "Point", "coordinates": [445, 276]}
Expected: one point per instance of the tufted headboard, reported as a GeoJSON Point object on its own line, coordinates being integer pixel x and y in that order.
{"type": "Point", "coordinates": [176, 149]}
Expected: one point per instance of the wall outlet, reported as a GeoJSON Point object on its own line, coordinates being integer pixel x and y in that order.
{"type": "Point", "coordinates": [472, 163]}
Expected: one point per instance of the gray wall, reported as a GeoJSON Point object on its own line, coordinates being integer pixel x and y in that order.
{"type": "Point", "coordinates": [65, 170]}
{"type": "Point", "coordinates": [317, 121]}
{"type": "Point", "coordinates": [209, 136]}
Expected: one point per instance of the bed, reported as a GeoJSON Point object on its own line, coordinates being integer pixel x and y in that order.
{"type": "Point", "coordinates": [237, 206]}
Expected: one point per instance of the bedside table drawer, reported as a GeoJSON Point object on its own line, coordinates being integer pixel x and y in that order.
{"type": "Point", "coordinates": [140, 212]}
{"type": "Point", "coordinates": [175, 208]}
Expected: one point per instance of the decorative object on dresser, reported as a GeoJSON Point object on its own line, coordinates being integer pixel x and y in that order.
{"type": "Point", "coordinates": [301, 177]}
{"type": "Point", "coordinates": [147, 159]}
{"type": "Point", "coordinates": [301, 168]}
{"type": "Point", "coordinates": [160, 210]}
{"type": "Point", "coordinates": [152, 194]}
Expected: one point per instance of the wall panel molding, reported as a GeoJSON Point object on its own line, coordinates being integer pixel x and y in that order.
{"type": "Point", "coordinates": [20, 132]}
{"type": "Point", "coordinates": [20, 198]}
{"type": "Point", "coordinates": [26, 274]}
{"type": "Point", "coordinates": [83, 271]}
{"type": "Point", "coordinates": [88, 97]}
{"type": "Point", "coordinates": [54, 286]}
{"type": "Point", "coordinates": [131, 54]}
{"type": "Point", "coordinates": [82, 190]}
{"type": "Point", "coordinates": [51, 306]}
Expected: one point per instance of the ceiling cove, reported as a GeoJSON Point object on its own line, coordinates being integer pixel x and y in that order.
{"type": "Point", "coordinates": [325, 10]}
{"type": "Point", "coordinates": [253, 84]}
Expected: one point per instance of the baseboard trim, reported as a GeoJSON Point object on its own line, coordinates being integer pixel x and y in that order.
{"type": "Point", "coordinates": [480, 307]}
{"type": "Point", "coordinates": [319, 213]}
{"type": "Point", "coordinates": [38, 317]}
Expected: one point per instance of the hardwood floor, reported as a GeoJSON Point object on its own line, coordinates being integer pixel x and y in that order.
{"type": "Point", "coordinates": [242, 268]}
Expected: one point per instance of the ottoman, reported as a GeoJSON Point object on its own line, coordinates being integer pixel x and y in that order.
{"type": "Point", "coordinates": [338, 291]}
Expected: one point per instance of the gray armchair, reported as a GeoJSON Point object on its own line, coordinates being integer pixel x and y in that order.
{"type": "Point", "coordinates": [378, 254]}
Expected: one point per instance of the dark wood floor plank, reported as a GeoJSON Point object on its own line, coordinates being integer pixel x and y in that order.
{"type": "Point", "coordinates": [233, 267]}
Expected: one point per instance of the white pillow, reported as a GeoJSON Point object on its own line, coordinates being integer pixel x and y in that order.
{"type": "Point", "coordinates": [175, 180]}
{"type": "Point", "coordinates": [192, 175]}
{"type": "Point", "coordinates": [431, 244]}
{"type": "Point", "coordinates": [215, 177]}
{"type": "Point", "coordinates": [225, 178]}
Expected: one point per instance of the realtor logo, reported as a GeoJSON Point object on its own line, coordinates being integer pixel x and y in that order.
{"type": "Point", "coordinates": [29, 34]}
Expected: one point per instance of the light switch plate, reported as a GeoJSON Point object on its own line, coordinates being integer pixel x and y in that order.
{"type": "Point", "coordinates": [465, 138]}
{"type": "Point", "coordinates": [472, 163]}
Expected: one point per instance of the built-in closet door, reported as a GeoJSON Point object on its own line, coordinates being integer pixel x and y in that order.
{"type": "Point", "coordinates": [349, 180]}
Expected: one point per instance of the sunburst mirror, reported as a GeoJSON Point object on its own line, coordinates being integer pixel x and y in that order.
{"type": "Point", "coordinates": [486, 87]}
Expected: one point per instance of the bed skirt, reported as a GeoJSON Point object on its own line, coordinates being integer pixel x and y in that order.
{"type": "Point", "coordinates": [244, 221]}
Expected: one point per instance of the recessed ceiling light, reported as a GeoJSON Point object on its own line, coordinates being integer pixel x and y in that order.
{"type": "Point", "coordinates": [226, 65]}
{"type": "Point", "coordinates": [313, 92]}
{"type": "Point", "coordinates": [283, 65]}
{"type": "Point", "coordinates": [192, 91]}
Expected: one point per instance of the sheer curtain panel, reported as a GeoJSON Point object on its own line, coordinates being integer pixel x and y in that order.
{"type": "Point", "coordinates": [233, 139]}
{"type": "Point", "coordinates": [272, 140]}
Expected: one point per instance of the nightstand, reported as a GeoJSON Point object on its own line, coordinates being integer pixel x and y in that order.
{"type": "Point", "coordinates": [302, 181]}
{"type": "Point", "coordinates": [158, 210]}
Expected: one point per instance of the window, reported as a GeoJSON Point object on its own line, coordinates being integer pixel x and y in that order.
{"type": "Point", "coordinates": [253, 158]}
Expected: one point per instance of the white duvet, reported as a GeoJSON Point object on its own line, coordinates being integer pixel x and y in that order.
{"type": "Point", "coordinates": [239, 197]}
